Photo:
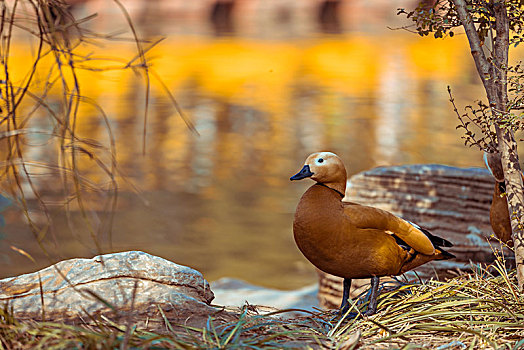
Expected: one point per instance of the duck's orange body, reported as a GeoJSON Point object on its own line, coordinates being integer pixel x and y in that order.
{"type": "Point", "coordinates": [499, 213]}
{"type": "Point", "coordinates": [351, 240]}
{"type": "Point", "coordinates": [350, 246]}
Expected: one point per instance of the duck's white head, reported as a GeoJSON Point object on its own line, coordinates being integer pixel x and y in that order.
{"type": "Point", "coordinates": [323, 167]}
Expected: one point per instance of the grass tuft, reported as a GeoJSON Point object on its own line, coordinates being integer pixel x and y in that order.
{"type": "Point", "coordinates": [471, 311]}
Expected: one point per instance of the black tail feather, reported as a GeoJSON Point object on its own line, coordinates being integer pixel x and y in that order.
{"type": "Point", "coordinates": [436, 240]}
{"type": "Point", "coordinates": [447, 255]}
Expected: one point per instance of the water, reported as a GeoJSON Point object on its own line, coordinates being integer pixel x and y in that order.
{"type": "Point", "coordinates": [261, 101]}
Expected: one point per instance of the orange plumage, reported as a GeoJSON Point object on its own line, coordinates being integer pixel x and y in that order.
{"type": "Point", "coordinates": [499, 213]}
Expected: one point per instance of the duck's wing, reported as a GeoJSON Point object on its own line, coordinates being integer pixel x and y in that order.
{"type": "Point", "coordinates": [366, 217]}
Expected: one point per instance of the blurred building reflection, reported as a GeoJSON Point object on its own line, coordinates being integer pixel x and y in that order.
{"type": "Point", "coordinates": [329, 16]}
{"type": "Point", "coordinates": [221, 16]}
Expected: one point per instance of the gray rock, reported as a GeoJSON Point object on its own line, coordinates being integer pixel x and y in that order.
{"type": "Point", "coordinates": [106, 283]}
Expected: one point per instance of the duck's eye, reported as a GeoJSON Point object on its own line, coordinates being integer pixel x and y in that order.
{"type": "Point", "coordinates": [320, 160]}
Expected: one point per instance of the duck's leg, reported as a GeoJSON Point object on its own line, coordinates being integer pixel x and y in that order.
{"type": "Point", "coordinates": [344, 306]}
{"type": "Point", "coordinates": [372, 307]}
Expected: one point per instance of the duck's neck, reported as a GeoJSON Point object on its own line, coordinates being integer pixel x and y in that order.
{"type": "Point", "coordinates": [340, 187]}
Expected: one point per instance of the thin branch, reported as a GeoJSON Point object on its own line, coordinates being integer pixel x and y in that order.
{"type": "Point", "coordinates": [481, 62]}
{"type": "Point", "coordinates": [501, 52]}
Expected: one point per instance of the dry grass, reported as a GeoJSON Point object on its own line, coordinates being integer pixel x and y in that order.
{"type": "Point", "coordinates": [478, 310]}
{"type": "Point", "coordinates": [472, 311]}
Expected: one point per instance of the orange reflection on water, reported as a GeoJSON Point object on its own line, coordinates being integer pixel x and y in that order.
{"type": "Point", "coordinates": [222, 202]}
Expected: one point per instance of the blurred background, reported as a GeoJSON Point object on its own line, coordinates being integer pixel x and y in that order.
{"type": "Point", "coordinates": [265, 82]}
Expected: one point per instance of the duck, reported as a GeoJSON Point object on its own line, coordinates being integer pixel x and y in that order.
{"type": "Point", "coordinates": [498, 212]}
{"type": "Point", "coordinates": [352, 241]}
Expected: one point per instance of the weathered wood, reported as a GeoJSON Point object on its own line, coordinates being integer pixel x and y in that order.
{"type": "Point", "coordinates": [451, 202]}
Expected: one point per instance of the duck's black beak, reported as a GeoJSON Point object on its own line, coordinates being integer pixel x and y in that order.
{"type": "Point", "coordinates": [302, 174]}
